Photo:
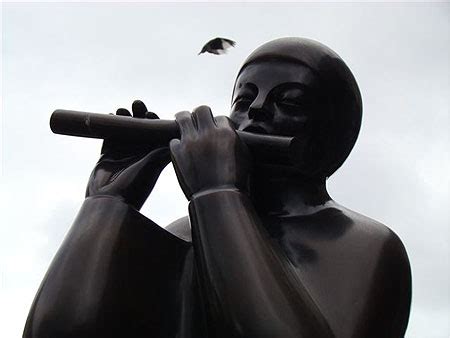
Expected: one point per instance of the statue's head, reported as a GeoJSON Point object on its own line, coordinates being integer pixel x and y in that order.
{"type": "Point", "coordinates": [299, 87]}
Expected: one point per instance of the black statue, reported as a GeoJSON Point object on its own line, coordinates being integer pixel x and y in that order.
{"type": "Point", "coordinates": [265, 251]}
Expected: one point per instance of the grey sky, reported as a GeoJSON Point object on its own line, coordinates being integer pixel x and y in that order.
{"type": "Point", "coordinates": [98, 57]}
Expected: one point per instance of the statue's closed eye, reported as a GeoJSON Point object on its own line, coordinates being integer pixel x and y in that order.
{"type": "Point", "coordinates": [292, 96]}
{"type": "Point", "coordinates": [291, 102]}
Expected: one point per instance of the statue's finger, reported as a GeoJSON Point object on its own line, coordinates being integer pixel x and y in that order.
{"type": "Point", "coordinates": [123, 112]}
{"type": "Point", "coordinates": [223, 122]}
{"type": "Point", "coordinates": [203, 118]}
{"type": "Point", "coordinates": [151, 115]}
{"type": "Point", "coordinates": [139, 109]}
{"type": "Point", "coordinates": [185, 123]}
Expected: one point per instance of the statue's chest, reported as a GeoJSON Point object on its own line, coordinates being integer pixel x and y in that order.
{"type": "Point", "coordinates": [333, 265]}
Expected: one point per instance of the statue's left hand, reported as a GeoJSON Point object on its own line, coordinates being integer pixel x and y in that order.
{"type": "Point", "coordinates": [128, 170]}
{"type": "Point", "coordinates": [209, 154]}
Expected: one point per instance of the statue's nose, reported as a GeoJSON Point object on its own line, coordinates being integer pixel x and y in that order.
{"type": "Point", "coordinates": [258, 111]}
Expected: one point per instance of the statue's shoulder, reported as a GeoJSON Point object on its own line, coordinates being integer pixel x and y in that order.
{"type": "Point", "coordinates": [385, 260]}
{"type": "Point", "coordinates": [336, 230]}
{"type": "Point", "coordinates": [376, 234]}
{"type": "Point", "coordinates": [181, 228]}
{"type": "Point", "coordinates": [370, 227]}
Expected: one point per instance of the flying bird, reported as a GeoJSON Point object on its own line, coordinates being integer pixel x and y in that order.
{"type": "Point", "coordinates": [217, 46]}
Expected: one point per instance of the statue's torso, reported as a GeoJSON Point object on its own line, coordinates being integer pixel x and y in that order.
{"type": "Point", "coordinates": [126, 276]}
{"type": "Point", "coordinates": [338, 255]}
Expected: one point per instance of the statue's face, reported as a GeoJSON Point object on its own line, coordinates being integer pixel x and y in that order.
{"type": "Point", "coordinates": [277, 98]}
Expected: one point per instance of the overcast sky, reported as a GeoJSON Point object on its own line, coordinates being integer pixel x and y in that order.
{"type": "Point", "coordinates": [99, 57]}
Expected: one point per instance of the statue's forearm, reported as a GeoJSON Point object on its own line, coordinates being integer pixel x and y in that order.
{"type": "Point", "coordinates": [249, 287]}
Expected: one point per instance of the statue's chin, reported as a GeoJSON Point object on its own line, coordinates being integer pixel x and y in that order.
{"type": "Point", "coordinates": [282, 171]}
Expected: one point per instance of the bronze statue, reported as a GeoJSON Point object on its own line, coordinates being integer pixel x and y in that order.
{"type": "Point", "coordinates": [265, 251]}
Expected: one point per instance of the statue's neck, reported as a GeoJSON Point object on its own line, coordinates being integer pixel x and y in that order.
{"type": "Point", "coordinates": [279, 192]}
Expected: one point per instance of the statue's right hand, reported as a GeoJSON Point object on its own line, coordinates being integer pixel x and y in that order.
{"type": "Point", "coordinates": [127, 170]}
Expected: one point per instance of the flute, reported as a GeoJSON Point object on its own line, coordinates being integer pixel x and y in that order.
{"type": "Point", "coordinates": [266, 149]}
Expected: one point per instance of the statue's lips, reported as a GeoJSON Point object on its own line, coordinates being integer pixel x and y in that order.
{"type": "Point", "coordinates": [255, 130]}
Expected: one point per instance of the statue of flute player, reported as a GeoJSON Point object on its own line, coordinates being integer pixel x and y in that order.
{"type": "Point", "coordinates": [265, 251]}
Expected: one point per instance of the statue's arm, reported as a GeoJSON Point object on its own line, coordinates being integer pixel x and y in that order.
{"type": "Point", "coordinates": [114, 275]}
{"type": "Point", "coordinates": [387, 311]}
{"type": "Point", "coordinates": [250, 289]}
{"type": "Point", "coordinates": [116, 270]}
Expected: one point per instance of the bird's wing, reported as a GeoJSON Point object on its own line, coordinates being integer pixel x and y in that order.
{"type": "Point", "coordinates": [230, 42]}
